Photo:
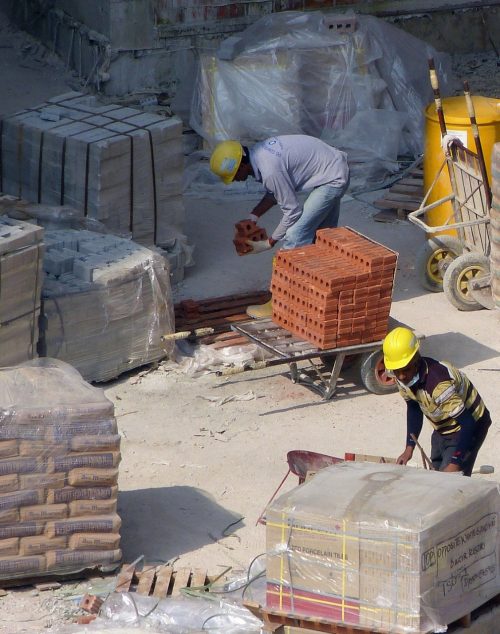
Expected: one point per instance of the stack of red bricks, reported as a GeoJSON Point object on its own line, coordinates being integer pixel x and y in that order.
{"type": "Point", "coordinates": [336, 292]}
{"type": "Point", "coordinates": [247, 230]}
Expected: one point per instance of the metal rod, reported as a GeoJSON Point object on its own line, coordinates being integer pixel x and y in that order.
{"type": "Point", "coordinates": [477, 141]}
{"type": "Point", "coordinates": [427, 463]}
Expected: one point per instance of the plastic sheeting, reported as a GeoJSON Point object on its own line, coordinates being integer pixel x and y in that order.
{"type": "Point", "coordinates": [59, 457]}
{"type": "Point", "coordinates": [107, 299]}
{"type": "Point", "coordinates": [288, 73]}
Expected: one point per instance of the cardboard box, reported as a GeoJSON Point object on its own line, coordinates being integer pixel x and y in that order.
{"type": "Point", "coordinates": [382, 545]}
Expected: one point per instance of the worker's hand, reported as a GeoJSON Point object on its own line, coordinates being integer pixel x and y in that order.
{"type": "Point", "coordinates": [253, 217]}
{"type": "Point", "coordinates": [258, 246]}
{"type": "Point", "coordinates": [451, 468]}
{"type": "Point", "coordinates": [406, 456]}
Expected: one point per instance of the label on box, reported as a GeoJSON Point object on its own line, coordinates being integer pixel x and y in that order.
{"type": "Point", "coordinates": [467, 560]}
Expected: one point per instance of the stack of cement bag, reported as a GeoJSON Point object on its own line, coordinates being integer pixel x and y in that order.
{"type": "Point", "coordinates": [107, 302]}
{"type": "Point", "coordinates": [21, 272]}
{"type": "Point", "coordinates": [59, 456]}
{"type": "Point", "coordinates": [119, 165]}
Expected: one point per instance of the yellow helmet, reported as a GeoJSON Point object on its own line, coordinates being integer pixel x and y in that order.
{"type": "Point", "coordinates": [399, 347]}
{"type": "Point", "coordinates": [226, 159]}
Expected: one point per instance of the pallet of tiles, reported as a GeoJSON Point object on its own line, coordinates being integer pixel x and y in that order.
{"type": "Point", "coordinates": [336, 292]}
{"type": "Point", "coordinates": [59, 458]}
{"type": "Point", "coordinates": [383, 547]}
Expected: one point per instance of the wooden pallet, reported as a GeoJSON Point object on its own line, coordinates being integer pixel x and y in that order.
{"type": "Point", "coordinates": [404, 196]}
{"type": "Point", "coordinates": [282, 623]}
{"type": "Point", "coordinates": [218, 313]}
{"type": "Point", "coordinates": [160, 581]}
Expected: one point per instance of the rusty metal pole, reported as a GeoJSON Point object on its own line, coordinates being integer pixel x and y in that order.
{"type": "Point", "coordinates": [477, 141]}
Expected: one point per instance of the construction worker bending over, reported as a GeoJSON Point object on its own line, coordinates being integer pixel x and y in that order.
{"type": "Point", "coordinates": [286, 165]}
{"type": "Point", "coordinates": [444, 395]}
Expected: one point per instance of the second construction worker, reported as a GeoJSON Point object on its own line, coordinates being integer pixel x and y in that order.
{"type": "Point", "coordinates": [286, 165]}
{"type": "Point", "coordinates": [445, 396]}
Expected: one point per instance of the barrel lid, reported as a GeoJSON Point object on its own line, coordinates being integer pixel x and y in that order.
{"type": "Point", "coordinates": [455, 110]}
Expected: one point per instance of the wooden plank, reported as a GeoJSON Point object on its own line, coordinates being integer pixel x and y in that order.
{"type": "Point", "coordinates": [409, 190]}
{"type": "Point", "coordinates": [394, 204]}
{"type": "Point", "coordinates": [124, 578]}
{"type": "Point", "coordinates": [181, 580]}
{"type": "Point", "coordinates": [414, 182]}
{"type": "Point", "coordinates": [163, 578]}
{"type": "Point", "coordinates": [198, 578]}
{"type": "Point", "coordinates": [146, 580]}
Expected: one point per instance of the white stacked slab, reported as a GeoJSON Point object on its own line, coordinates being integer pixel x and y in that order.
{"type": "Point", "coordinates": [21, 274]}
{"type": "Point", "coordinates": [107, 302]}
{"type": "Point", "coordinates": [119, 165]}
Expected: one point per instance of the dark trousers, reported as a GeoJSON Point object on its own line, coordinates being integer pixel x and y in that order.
{"type": "Point", "coordinates": [443, 447]}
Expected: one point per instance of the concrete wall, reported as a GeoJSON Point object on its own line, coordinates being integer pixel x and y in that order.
{"type": "Point", "coordinates": [131, 46]}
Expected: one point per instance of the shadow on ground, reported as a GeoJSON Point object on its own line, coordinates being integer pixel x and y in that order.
{"type": "Point", "coordinates": [457, 348]}
{"type": "Point", "coordinates": [164, 523]}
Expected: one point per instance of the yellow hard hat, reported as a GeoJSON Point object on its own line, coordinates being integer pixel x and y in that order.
{"type": "Point", "coordinates": [226, 159]}
{"type": "Point", "coordinates": [399, 347]}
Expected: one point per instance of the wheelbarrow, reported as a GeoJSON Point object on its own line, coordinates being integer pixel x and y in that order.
{"type": "Point", "coordinates": [300, 463]}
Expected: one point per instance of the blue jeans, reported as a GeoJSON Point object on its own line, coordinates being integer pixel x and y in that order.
{"type": "Point", "coordinates": [321, 211]}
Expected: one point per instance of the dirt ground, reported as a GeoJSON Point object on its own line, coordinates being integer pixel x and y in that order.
{"type": "Point", "coordinates": [203, 455]}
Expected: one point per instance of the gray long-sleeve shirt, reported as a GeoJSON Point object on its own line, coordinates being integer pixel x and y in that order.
{"type": "Point", "coordinates": [296, 162]}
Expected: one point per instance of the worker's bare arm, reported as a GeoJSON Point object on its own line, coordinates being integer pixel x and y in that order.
{"type": "Point", "coordinates": [406, 456]}
{"type": "Point", "coordinates": [264, 205]}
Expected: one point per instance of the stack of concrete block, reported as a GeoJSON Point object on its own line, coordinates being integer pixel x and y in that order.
{"type": "Point", "coordinates": [495, 226]}
{"type": "Point", "coordinates": [59, 457]}
{"type": "Point", "coordinates": [107, 302]}
{"type": "Point", "coordinates": [336, 292]}
{"type": "Point", "coordinates": [119, 165]}
{"type": "Point", "coordinates": [247, 230]}
{"type": "Point", "coordinates": [21, 274]}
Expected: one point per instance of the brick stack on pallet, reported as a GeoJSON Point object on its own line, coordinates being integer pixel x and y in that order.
{"type": "Point", "coordinates": [59, 457]}
{"type": "Point", "coordinates": [107, 302]}
{"type": "Point", "coordinates": [336, 292]}
{"type": "Point", "coordinates": [21, 275]}
{"type": "Point", "coordinates": [116, 164]}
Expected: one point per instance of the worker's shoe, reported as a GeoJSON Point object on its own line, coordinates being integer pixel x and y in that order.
{"type": "Point", "coordinates": [260, 311]}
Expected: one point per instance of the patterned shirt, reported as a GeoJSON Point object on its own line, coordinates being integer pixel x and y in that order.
{"type": "Point", "coordinates": [443, 393]}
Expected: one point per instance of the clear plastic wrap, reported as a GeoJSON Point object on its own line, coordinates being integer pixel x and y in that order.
{"type": "Point", "coordinates": [107, 302]}
{"type": "Point", "coordinates": [384, 546]}
{"type": "Point", "coordinates": [288, 73]}
{"type": "Point", "coordinates": [59, 457]}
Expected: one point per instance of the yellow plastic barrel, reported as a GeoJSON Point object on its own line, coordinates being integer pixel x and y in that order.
{"type": "Point", "coordinates": [457, 121]}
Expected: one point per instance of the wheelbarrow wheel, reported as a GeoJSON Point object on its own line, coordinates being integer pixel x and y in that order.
{"type": "Point", "coordinates": [433, 259]}
{"type": "Point", "coordinates": [455, 282]}
{"type": "Point", "coordinates": [374, 375]}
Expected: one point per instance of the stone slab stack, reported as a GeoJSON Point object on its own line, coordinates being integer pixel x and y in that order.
{"type": "Point", "coordinates": [59, 457]}
{"type": "Point", "coordinates": [21, 275]}
{"type": "Point", "coordinates": [116, 164]}
{"type": "Point", "coordinates": [107, 302]}
{"type": "Point", "coordinates": [336, 292]}
{"type": "Point", "coordinates": [495, 225]}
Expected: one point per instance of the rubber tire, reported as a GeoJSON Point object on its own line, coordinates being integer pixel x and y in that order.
{"type": "Point", "coordinates": [431, 253]}
{"type": "Point", "coordinates": [373, 376]}
{"type": "Point", "coordinates": [461, 270]}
